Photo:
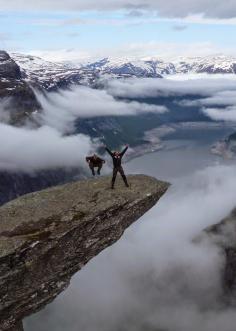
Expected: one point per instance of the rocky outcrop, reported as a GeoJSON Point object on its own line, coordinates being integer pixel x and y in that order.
{"type": "Point", "coordinates": [47, 236]}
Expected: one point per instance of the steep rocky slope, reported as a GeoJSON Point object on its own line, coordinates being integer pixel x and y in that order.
{"type": "Point", "coordinates": [47, 236]}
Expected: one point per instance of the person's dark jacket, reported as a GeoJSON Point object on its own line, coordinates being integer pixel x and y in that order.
{"type": "Point", "coordinates": [116, 158]}
{"type": "Point", "coordinates": [95, 161]}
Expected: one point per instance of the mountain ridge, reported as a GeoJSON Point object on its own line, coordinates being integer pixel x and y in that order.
{"type": "Point", "coordinates": [59, 74]}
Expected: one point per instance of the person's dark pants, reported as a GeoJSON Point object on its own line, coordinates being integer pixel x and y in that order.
{"type": "Point", "coordinates": [91, 166]}
{"type": "Point", "coordinates": [121, 171]}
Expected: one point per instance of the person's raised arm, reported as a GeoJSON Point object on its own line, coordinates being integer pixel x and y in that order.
{"type": "Point", "coordinates": [108, 151]}
{"type": "Point", "coordinates": [124, 150]}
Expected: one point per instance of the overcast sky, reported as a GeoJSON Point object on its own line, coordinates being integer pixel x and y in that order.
{"type": "Point", "coordinates": [78, 29]}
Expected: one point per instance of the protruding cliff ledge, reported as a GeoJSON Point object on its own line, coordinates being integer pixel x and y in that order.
{"type": "Point", "coordinates": [45, 237]}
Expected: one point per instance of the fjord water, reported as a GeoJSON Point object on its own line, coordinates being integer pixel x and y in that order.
{"type": "Point", "coordinates": [155, 278]}
{"type": "Point", "coordinates": [184, 152]}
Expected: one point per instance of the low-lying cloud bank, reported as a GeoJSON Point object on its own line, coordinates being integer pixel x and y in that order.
{"type": "Point", "coordinates": [63, 108]}
{"type": "Point", "coordinates": [227, 114]}
{"type": "Point", "coordinates": [216, 96]}
{"type": "Point", "coordinates": [156, 277]}
{"type": "Point", "coordinates": [148, 87]}
{"type": "Point", "coordinates": [30, 150]}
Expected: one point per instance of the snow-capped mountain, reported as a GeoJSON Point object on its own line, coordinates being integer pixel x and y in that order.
{"type": "Point", "coordinates": [156, 68]}
{"type": "Point", "coordinates": [128, 67]}
{"type": "Point", "coordinates": [51, 75]}
{"type": "Point", "coordinates": [220, 64]}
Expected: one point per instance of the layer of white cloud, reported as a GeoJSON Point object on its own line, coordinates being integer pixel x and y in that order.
{"type": "Point", "coordinates": [62, 109]}
{"type": "Point", "coordinates": [214, 94]}
{"type": "Point", "coordinates": [148, 87]}
{"type": "Point", "coordinates": [29, 150]}
{"type": "Point", "coordinates": [220, 105]}
{"type": "Point", "coordinates": [222, 114]}
{"type": "Point", "coordinates": [167, 8]}
{"type": "Point", "coordinates": [129, 20]}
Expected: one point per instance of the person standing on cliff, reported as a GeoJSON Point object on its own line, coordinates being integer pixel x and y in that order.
{"type": "Point", "coordinates": [117, 167]}
{"type": "Point", "coordinates": [95, 161]}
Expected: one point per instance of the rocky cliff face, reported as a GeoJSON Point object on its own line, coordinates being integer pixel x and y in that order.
{"type": "Point", "coordinates": [47, 236]}
{"type": "Point", "coordinates": [8, 68]}
{"type": "Point", "coordinates": [19, 99]}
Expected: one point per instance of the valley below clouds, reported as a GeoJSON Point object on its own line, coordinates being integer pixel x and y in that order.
{"type": "Point", "coordinates": [56, 144]}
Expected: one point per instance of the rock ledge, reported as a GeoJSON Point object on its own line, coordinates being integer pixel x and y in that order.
{"type": "Point", "coordinates": [47, 236]}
